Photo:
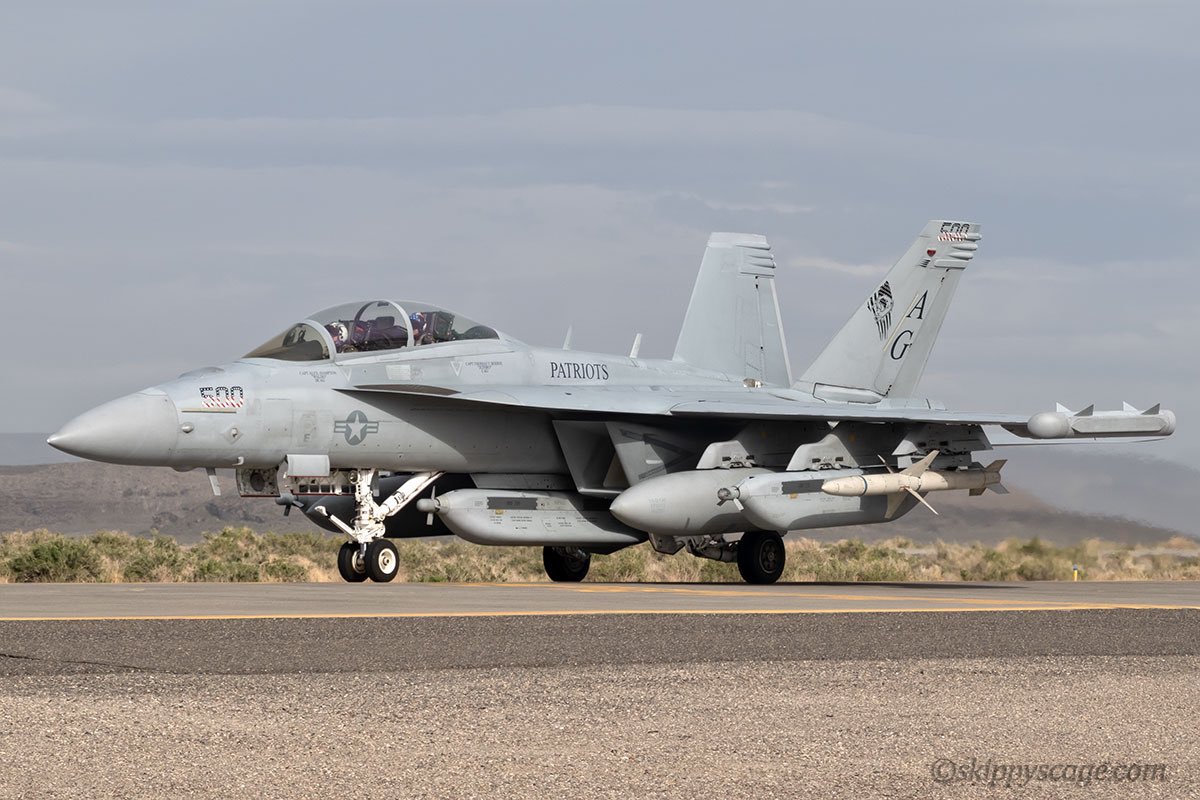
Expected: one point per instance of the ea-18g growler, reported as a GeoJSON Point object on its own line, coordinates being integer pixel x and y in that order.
{"type": "Point", "coordinates": [382, 419]}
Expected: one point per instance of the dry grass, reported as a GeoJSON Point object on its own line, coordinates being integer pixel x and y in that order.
{"type": "Point", "coordinates": [239, 554]}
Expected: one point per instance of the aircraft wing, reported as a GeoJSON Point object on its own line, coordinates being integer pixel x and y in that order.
{"type": "Point", "coordinates": [712, 403]}
{"type": "Point", "coordinates": [738, 403]}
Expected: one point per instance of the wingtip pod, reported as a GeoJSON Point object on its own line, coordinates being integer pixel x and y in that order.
{"type": "Point", "coordinates": [1092, 424]}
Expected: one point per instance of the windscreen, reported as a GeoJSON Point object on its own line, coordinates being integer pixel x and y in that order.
{"type": "Point", "coordinates": [301, 342]}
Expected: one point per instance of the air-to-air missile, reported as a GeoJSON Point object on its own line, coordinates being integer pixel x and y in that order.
{"type": "Point", "coordinates": [915, 481]}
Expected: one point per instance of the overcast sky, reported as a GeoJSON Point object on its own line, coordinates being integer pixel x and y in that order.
{"type": "Point", "coordinates": [178, 181]}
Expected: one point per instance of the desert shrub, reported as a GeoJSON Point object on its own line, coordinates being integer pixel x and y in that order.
{"type": "Point", "coordinates": [284, 571]}
{"type": "Point", "coordinates": [230, 544]}
{"type": "Point", "coordinates": [114, 545]}
{"type": "Point", "coordinates": [240, 554]}
{"type": "Point", "coordinates": [457, 561]}
{"type": "Point", "coordinates": [58, 560]}
{"type": "Point", "coordinates": [989, 565]}
{"type": "Point", "coordinates": [214, 569]}
{"type": "Point", "coordinates": [161, 559]}
{"type": "Point", "coordinates": [316, 546]}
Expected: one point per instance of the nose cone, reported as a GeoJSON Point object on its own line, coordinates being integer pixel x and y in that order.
{"type": "Point", "coordinates": [136, 429]}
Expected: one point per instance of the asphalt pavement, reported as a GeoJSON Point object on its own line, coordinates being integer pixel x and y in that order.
{"type": "Point", "coordinates": [596, 690]}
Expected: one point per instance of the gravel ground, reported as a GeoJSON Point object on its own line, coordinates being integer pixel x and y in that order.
{"type": "Point", "coordinates": [848, 728]}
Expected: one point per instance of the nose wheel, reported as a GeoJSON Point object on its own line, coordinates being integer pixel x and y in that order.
{"type": "Point", "coordinates": [352, 564]}
{"type": "Point", "coordinates": [383, 562]}
{"type": "Point", "coordinates": [377, 560]}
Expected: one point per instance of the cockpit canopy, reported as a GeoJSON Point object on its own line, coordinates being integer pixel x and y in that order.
{"type": "Point", "coordinates": [368, 327]}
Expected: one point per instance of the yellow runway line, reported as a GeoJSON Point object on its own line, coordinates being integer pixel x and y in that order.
{"type": "Point", "coordinates": [597, 612]}
{"type": "Point", "coordinates": [687, 590]}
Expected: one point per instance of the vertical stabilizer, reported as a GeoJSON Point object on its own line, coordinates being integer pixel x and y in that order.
{"type": "Point", "coordinates": [733, 323]}
{"type": "Point", "coordinates": [882, 350]}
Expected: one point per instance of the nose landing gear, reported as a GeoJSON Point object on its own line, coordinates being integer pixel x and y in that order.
{"type": "Point", "coordinates": [377, 560]}
{"type": "Point", "coordinates": [368, 554]}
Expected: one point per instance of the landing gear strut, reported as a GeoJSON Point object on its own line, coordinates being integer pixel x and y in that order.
{"type": "Point", "coordinates": [566, 564]}
{"type": "Point", "coordinates": [761, 556]}
{"type": "Point", "coordinates": [368, 554]}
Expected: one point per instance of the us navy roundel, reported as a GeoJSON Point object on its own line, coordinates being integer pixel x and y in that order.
{"type": "Point", "coordinates": [355, 427]}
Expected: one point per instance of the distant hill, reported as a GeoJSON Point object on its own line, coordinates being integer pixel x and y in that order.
{"type": "Point", "coordinates": [1103, 479]}
{"type": "Point", "coordinates": [83, 497]}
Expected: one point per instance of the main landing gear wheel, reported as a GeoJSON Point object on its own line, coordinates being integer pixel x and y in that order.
{"type": "Point", "coordinates": [760, 556]}
{"type": "Point", "coordinates": [351, 564]}
{"type": "Point", "coordinates": [566, 564]}
{"type": "Point", "coordinates": [383, 562]}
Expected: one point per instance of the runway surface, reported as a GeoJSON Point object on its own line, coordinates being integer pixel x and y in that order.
{"type": "Point", "coordinates": [257, 628]}
{"type": "Point", "coordinates": [592, 690]}
{"type": "Point", "coordinates": [247, 601]}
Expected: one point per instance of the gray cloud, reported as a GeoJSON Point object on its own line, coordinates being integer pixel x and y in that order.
{"type": "Point", "coordinates": [178, 186]}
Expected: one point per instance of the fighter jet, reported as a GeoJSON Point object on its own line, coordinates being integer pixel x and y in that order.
{"type": "Point", "coordinates": [383, 419]}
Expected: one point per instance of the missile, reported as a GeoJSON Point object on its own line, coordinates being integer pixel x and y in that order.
{"type": "Point", "coordinates": [916, 481]}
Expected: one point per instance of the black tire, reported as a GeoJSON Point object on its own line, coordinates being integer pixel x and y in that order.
{"type": "Point", "coordinates": [761, 556]}
{"type": "Point", "coordinates": [566, 564]}
{"type": "Point", "coordinates": [351, 566]}
{"type": "Point", "coordinates": [383, 561]}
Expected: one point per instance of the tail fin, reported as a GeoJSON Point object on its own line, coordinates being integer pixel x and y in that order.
{"type": "Point", "coordinates": [883, 348]}
{"type": "Point", "coordinates": [732, 323]}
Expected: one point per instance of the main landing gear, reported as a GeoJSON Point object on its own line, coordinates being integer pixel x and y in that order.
{"type": "Point", "coordinates": [761, 556]}
{"type": "Point", "coordinates": [566, 564]}
{"type": "Point", "coordinates": [367, 554]}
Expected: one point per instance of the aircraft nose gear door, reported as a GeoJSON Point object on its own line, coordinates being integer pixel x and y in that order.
{"type": "Point", "coordinates": [368, 554]}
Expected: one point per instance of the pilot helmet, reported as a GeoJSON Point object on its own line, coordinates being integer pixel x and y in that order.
{"type": "Point", "coordinates": [339, 332]}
